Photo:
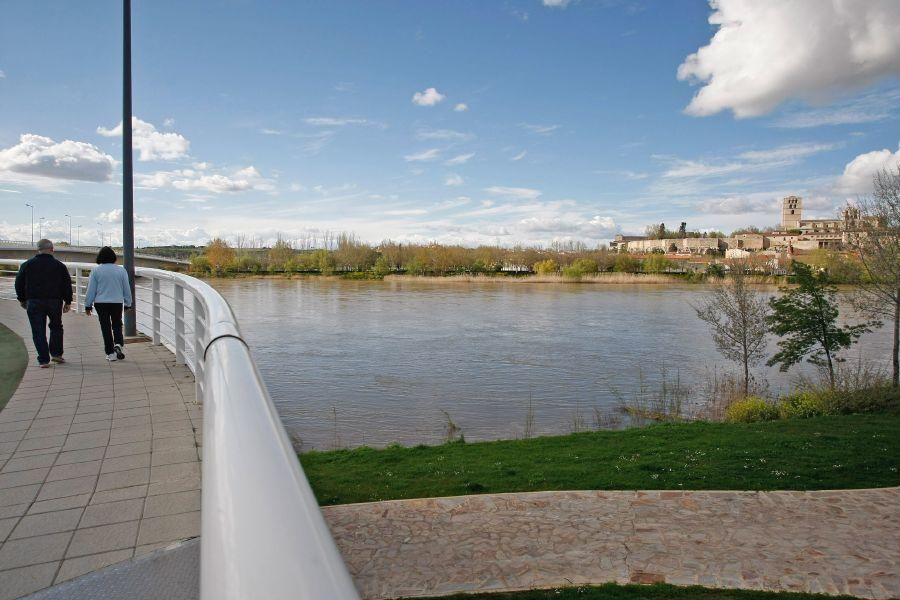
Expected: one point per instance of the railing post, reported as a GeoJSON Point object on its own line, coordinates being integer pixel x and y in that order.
{"type": "Point", "coordinates": [155, 299]}
{"type": "Point", "coordinates": [199, 347]}
{"type": "Point", "coordinates": [79, 306]}
{"type": "Point", "coordinates": [179, 324]}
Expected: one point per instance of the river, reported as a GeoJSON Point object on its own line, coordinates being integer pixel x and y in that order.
{"type": "Point", "coordinates": [369, 362]}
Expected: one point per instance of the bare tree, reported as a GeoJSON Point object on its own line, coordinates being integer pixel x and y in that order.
{"type": "Point", "coordinates": [737, 316]}
{"type": "Point", "coordinates": [876, 240]}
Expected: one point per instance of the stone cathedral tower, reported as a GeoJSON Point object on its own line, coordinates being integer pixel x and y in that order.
{"type": "Point", "coordinates": [790, 212]}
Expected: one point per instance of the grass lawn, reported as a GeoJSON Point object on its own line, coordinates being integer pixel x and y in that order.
{"type": "Point", "coordinates": [13, 360]}
{"type": "Point", "coordinates": [612, 591]}
{"type": "Point", "coordinates": [832, 452]}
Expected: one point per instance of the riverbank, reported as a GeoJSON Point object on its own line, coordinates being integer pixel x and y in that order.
{"type": "Point", "coordinates": [13, 360]}
{"type": "Point", "coordinates": [833, 452]}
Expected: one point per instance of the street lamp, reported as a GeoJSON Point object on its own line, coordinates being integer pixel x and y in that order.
{"type": "Point", "coordinates": [127, 166]}
{"type": "Point", "coordinates": [100, 229]}
{"type": "Point", "coordinates": [70, 228]}
{"type": "Point", "coordinates": [78, 231]}
{"type": "Point", "coordinates": [32, 222]}
{"type": "Point", "coordinates": [41, 228]}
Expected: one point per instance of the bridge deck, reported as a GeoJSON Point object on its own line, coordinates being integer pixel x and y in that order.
{"type": "Point", "coordinates": [99, 462]}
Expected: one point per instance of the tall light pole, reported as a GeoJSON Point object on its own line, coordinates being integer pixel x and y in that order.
{"type": "Point", "coordinates": [127, 166]}
{"type": "Point", "coordinates": [41, 228]}
{"type": "Point", "coordinates": [100, 229]}
{"type": "Point", "coordinates": [32, 222]}
{"type": "Point", "coordinates": [70, 228]}
{"type": "Point", "coordinates": [78, 231]}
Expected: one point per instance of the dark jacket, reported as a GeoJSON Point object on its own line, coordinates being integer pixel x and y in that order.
{"type": "Point", "coordinates": [43, 278]}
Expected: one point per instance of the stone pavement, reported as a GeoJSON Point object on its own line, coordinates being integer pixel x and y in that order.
{"type": "Point", "coordinates": [99, 462]}
{"type": "Point", "coordinates": [828, 542]}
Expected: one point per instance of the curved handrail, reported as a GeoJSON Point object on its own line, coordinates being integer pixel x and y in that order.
{"type": "Point", "coordinates": [263, 535]}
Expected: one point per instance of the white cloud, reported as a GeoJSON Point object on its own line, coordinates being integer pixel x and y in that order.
{"type": "Point", "coordinates": [150, 143]}
{"type": "Point", "coordinates": [191, 180]}
{"type": "Point", "coordinates": [42, 157]}
{"type": "Point", "coordinates": [454, 180]}
{"type": "Point", "coordinates": [513, 192]}
{"type": "Point", "coordinates": [571, 225]}
{"type": "Point", "coordinates": [2, 74]}
{"type": "Point", "coordinates": [461, 107]}
{"type": "Point", "coordinates": [336, 121]}
{"type": "Point", "coordinates": [753, 160]}
{"type": "Point", "coordinates": [625, 173]}
{"type": "Point", "coordinates": [266, 131]}
{"type": "Point", "coordinates": [866, 109]}
{"type": "Point", "coordinates": [115, 216]}
{"type": "Point", "coordinates": [429, 97]}
{"type": "Point", "coordinates": [556, 3]}
{"type": "Point", "coordinates": [789, 152]}
{"type": "Point", "coordinates": [540, 129]}
{"type": "Point", "coordinates": [767, 52]}
{"type": "Point", "coordinates": [424, 156]}
{"type": "Point", "coordinates": [857, 176]}
{"type": "Point", "coordinates": [460, 159]}
{"type": "Point", "coordinates": [520, 155]}
{"type": "Point", "coordinates": [443, 134]}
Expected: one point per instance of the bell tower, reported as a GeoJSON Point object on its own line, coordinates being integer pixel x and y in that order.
{"type": "Point", "coordinates": [790, 212]}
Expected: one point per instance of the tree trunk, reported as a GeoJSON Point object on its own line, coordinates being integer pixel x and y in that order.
{"type": "Point", "coordinates": [830, 367]}
{"type": "Point", "coordinates": [896, 379]}
{"type": "Point", "coordinates": [747, 377]}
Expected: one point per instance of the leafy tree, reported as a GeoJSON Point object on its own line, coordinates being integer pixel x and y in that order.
{"type": "Point", "coordinates": [546, 267]}
{"type": "Point", "coordinates": [625, 263]}
{"type": "Point", "coordinates": [219, 254]}
{"type": "Point", "coordinates": [280, 254]}
{"type": "Point", "coordinates": [737, 316]}
{"type": "Point", "coordinates": [656, 263]}
{"type": "Point", "coordinates": [806, 317]}
{"type": "Point", "coordinates": [878, 249]}
{"type": "Point", "coordinates": [382, 266]}
{"type": "Point", "coordinates": [579, 267]}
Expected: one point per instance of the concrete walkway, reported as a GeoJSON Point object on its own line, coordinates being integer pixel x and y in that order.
{"type": "Point", "coordinates": [844, 542]}
{"type": "Point", "coordinates": [99, 462]}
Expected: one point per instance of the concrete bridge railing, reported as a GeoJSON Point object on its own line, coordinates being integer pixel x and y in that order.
{"type": "Point", "coordinates": [263, 535]}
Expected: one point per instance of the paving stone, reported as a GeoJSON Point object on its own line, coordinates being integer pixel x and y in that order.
{"type": "Point", "coordinates": [19, 582]}
{"type": "Point", "coordinates": [63, 503]}
{"type": "Point", "coordinates": [18, 495]}
{"type": "Point", "coordinates": [41, 443]}
{"type": "Point", "coordinates": [125, 463]}
{"type": "Point", "coordinates": [170, 504]}
{"type": "Point", "coordinates": [169, 528]}
{"type": "Point", "coordinates": [75, 567]}
{"type": "Point", "coordinates": [76, 456]}
{"type": "Point", "coordinates": [82, 441]}
{"type": "Point", "coordinates": [82, 469]}
{"type": "Point", "coordinates": [13, 510]}
{"type": "Point", "coordinates": [42, 524]}
{"type": "Point", "coordinates": [121, 479]}
{"type": "Point", "coordinates": [112, 512]}
{"type": "Point", "coordinates": [32, 462]}
{"type": "Point", "coordinates": [104, 538]}
{"type": "Point", "coordinates": [19, 478]}
{"type": "Point", "coordinates": [6, 527]}
{"type": "Point", "coordinates": [126, 493]}
{"type": "Point", "coordinates": [115, 451]}
{"type": "Point", "coordinates": [66, 487]}
{"type": "Point", "coordinates": [33, 550]}
{"type": "Point", "coordinates": [174, 472]}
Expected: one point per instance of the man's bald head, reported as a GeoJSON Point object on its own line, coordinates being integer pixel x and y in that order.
{"type": "Point", "coordinates": [45, 246]}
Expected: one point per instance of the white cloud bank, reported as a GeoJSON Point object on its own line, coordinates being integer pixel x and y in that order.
{"type": "Point", "coordinates": [151, 143]}
{"type": "Point", "coordinates": [767, 52]}
{"type": "Point", "coordinates": [430, 97]}
{"type": "Point", "coordinates": [424, 156]}
{"type": "Point", "coordinates": [115, 216]}
{"type": "Point", "coordinates": [513, 192]}
{"type": "Point", "coordinates": [556, 3]}
{"type": "Point", "coordinates": [857, 176]}
{"type": "Point", "coordinates": [461, 107]}
{"type": "Point", "coordinates": [194, 180]}
{"type": "Point", "coordinates": [42, 157]}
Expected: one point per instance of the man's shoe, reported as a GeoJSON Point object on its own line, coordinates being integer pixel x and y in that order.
{"type": "Point", "coordinates": [58, 359]}
{"type": "Point", "coordinates": [45, 365]}
{"type": "Point", "coordinates": [111, 357]}
{"type": "Point", "coordinates": [119, 354]}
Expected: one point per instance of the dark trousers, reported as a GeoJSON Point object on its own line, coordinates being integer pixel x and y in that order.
{"type": "Point", "coordinates": [110, 314]}
{"type": "Point", "coordinates": [39, 311]}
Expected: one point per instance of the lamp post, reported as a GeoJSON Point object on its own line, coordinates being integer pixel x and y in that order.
{"type": "Point", "coordinates": [127, 166]}
{"type": "Point", "coordinates": [32, 222]}
{"type": "Point", "coordinates": [100, 229]}
{"type": "Point", "coordinates": [70, 228]}
{"type": "Point", "coordinates": [78, 231]}
{"type": "Point", "coordinates": [41, 228]}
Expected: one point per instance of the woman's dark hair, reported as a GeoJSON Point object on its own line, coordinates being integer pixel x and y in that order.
{"type": "Point", "coordinates": [106, 255]}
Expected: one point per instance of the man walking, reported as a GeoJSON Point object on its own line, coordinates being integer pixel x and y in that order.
{"type": "Point", "coordinates": [44, 289]}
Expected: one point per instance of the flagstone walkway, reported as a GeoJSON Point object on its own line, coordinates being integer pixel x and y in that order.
{"type": "Point", "coordinates": [99, 462]}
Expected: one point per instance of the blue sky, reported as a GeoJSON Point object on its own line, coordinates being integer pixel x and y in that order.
{"type": "Point", "coordinates": [469, 122]}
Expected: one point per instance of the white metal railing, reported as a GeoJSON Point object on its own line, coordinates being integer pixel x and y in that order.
{"type": "Point", "coordinates": [263, 533]}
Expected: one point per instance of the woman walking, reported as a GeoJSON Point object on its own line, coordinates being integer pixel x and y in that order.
{"type": "Point", "coordinates": [108, 289]}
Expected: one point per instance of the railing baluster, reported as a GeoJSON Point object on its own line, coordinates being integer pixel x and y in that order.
{"type": "Point", "coordinates": [179, 324]}
{"type": "Point", "coordinates": [199, 346]}
{"type": "Point", "coordinates": [155, 299]}
{"type": "Point", "coordinates": [79, 305]}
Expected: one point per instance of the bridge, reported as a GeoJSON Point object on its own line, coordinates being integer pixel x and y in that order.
{"type": "Point", "coordinates": [11, 249]}
{"type": "Point", "coordinates": [169, 475]}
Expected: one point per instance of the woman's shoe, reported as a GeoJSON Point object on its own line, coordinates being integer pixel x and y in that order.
{"type": "Point", "coordinates": [119, 354]}
{"type": "Point", "coordinates": [111, 357]}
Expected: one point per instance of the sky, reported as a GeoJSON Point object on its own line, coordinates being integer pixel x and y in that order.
{"type": "Point", "coordinates": [499, 122]}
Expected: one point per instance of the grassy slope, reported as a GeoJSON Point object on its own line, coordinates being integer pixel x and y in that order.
{"type": "Point", "coordinates": [641, 592]}
{"type": "Point", "coordinates": [13, 360]}
{"type": "Point", "coordinates": [835, 452]}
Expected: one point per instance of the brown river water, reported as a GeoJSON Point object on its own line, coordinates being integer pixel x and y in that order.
{"type": "Point", "coordinates": [369, 362]}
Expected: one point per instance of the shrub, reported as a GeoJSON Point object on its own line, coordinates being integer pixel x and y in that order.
{"type": "Point", "coordinates": [580, 267]}
{"type": "Point", "coordinates": [860, 400]}
{"type": "Point", "coordinates": [200, 264]}
{"type": "Point", "coordinates": [751, 410]}
{"type": "Point", "coordinates": [802, 405]}
{"type": "Point", "coordinates": [546, 267]}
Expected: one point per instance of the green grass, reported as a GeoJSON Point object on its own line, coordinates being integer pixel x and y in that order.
{"type": "Point", "coordinates": [830, 452]}
{"type": "Point", "coordinates": [13, 360]}
{"type": "Point", "coordinates": [612, 591]}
